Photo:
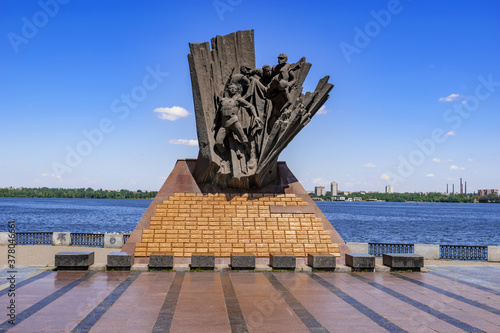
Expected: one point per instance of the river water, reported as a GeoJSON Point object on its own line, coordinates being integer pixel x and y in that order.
{"type": "Point", "coordinates": [377, 222]}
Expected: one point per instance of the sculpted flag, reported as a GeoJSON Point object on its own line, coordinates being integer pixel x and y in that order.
{"type": "Point", "coordinates": [246, 115]}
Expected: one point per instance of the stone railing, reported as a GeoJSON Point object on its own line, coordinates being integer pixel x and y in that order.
{"type": "Point", "coordinates": [39, 238]}
{"type": "Point", "coordinates": [112, 240]}
{"type": "Point", "coordinates": [378, 249]}
{"type": "Point", "coordinates": [430, 251]}
{"type": "Point", "coordinates": [462, 252]}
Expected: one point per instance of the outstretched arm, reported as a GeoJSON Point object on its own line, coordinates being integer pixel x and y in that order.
{"type": "Point", "coordinates": [248, 106]}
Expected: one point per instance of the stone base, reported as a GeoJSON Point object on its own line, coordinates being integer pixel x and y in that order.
{"type": "Point", "coordinates": [323, 261]}
{"type": "Point", "coordinates": [282, 261]}
{"type": "Point", "coordinates": [494, 253]}
{"type": "Point", "coordinates": [61, 238]}
{"type": "Point", "coordinates": [113, 241]}
{"type": "Point", "coordinates": [242, 261]}
{"type": "Point", "coordinates": [187, 218]}
{"type": "Point", "coordinates": [403, 261]}
{"type": "Point", "coordinates": [161, 260]}
{"type": "Point", "coordinates": [203, 261]}
{"type": "Point", "coordinates": [74, 260]}
{"type": "Point", "coordinates": [120, 261]}
{"type": "Point", "coordinates": [360, 261]}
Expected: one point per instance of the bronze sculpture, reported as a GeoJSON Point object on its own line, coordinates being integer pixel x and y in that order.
{"type": "Point", "coordinates": [245, 119]}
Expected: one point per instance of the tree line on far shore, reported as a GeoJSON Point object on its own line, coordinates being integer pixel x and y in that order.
{"type": "Point", "coordinates": [418, 196]}
{"type": "Point", "coordinates": [84, 193]}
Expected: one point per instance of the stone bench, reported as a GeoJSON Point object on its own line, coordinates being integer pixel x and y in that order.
{"type": "Point", "coordinates": [360, 261]}
{"type": "Point", "coordinates": [77, 260]}
{"type": "Point", "coordinates": [403, 261]}
{"type": "Point", "coordinates": [324, 261]}
{"type": "Point", "coordinates": [161, 260]}
{"type": "Point", "coordinates": [122, 261]}
{"type": "Point", "coordinates": [282, 261]}
{"type": "Point", "coordinates": [202, 261]}
{"type": "Point", "coordinates": [242, 261]}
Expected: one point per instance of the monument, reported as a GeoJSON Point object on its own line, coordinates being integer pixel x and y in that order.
{"type": "Point", "coordinates": [236, 197]}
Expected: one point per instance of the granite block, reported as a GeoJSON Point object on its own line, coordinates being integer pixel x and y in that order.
{"type": "Point", "coordinates": [242, 261]}
{"type": "Point", "coordinates": [360, 261]}
{"type": "Point", "coordinates": [203, 261]}
{"type": "Point", "coordinates": [77, 260]}
{"type": "Point", "coordinates": [282, 261]}
{"type": "Point", "coordinates": [120, 260]}
{"type": "Point", "coordinates": [403, 261]}
{"type": "Point", "coordinates": [324, 261]}
{"type": "Point", "coordinates": [161, 260]}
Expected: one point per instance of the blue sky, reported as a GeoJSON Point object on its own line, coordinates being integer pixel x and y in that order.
{"type": "Point", "coordinates": [415, 105]}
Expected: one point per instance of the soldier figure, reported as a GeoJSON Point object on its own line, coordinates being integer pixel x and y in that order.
{"type": "Point", "coordinates": [228, 108]}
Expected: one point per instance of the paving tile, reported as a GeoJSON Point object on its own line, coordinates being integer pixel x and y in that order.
{"type": "Point", "coordinates": [482, 318]}
{"type": "Point", "coordinates": [396, 311]}
{"type": "Point", "coordinates": [67, 311]}
{"type": "Point", "coordinates": [205, 303]}
{"type": "Point", "coordinates": [330, 310]}
{"type": "Point", "coordinates": [201, 303]}
{"type": "Point", "coordinates": [262, 306]}
{"type": "Point", "coordinates": [386, 283]}
{"type": "Point", "coordinates": [128, 310]}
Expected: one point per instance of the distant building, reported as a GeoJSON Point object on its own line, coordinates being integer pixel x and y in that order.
{"type": "Point", "coordinates": [483, 193]}
{"type": "Point", "coordinates": [319, 190]}
{"type": "Point", "coordinates": [334, 188]}
{"type": "Point", "coordinates": [389, 189]}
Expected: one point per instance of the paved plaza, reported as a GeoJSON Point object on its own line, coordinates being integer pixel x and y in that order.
{"type": "Point", "coordinates": [444, 299]}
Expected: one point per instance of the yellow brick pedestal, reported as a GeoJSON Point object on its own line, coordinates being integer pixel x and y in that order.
{"type": "Point", "coordinates": [221, 223]}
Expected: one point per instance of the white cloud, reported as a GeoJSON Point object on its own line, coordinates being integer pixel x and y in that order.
{"type": "Point", "coordinates": [470, 160]}
{"type": "Point", "coordinates": [450, 98]}
{"type": "Point", "coordinates": [430, 175]}
{"type": "Point", "coordinates": [52, 175]}
{"type": "Point", "coordinates": [438, 160]}
{"type": "Point", "coordinates": [451, 133]}
{"type": "Point", "coordinates": [184, 142]}
{"type": "Point", "coordinates": [172, 113]}
{"type": "Point", "coordinates": [370, 165]}
{"type": "Point", "coordinates": [456, 167]}
{"type": "Point", "coordinates": [322, 110]}
{"type": "Point", "coordinates": [318, 180]}
{"type": "Point", "coordinates": [385, 177]}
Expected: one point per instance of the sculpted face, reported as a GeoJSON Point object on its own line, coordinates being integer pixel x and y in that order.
{"type": "Point", "coordinates": [282, 59]}
{"type": "Point", "coordinates": [266, 71]}
{"type": "Point", "coordinates": [232, 89]}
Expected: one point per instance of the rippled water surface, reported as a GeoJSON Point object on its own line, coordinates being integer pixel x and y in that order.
{"type": "Point", "coordinates": [415, 223]}
{"type": "Point", "coordinates": [72, 215]}
{"type": "Point", "coordinates": [384, 222]}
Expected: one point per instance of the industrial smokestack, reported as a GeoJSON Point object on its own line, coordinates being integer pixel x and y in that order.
{"type": "Point", "coordinates": [461, 187]}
